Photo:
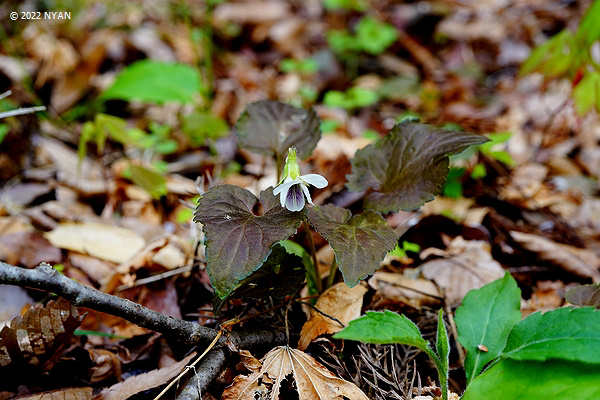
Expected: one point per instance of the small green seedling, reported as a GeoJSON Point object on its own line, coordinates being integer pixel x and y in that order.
{"type": "Point", "coordinates": [554, 355]}
{"type": "Point", "coordinates": [570, 55]}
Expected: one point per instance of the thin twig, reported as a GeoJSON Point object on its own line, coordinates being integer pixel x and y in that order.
{"type": "Point", "coordinates": [21, 111]}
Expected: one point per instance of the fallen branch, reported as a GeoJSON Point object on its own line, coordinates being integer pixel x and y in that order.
{"type": "Point", "coordinates": [46, 278]}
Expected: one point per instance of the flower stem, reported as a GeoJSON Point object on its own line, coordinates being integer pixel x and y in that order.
{"type": "Point", "coordinates": [332, 270]}
{"type": "Point", "coordinates": [279, 167]}
{"type": "Point", "coordinates": [313, 253]}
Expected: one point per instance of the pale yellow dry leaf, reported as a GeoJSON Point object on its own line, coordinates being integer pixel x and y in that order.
{"type": "Point", "coordinates": [415, 292]}
{"type": "Point", "coordinates": [313, 381]}
{"type": "Point", "coordinates": [139, 383]}
{"type": "Point", "coordinates": [467, 265]}
{"type": "Point", "coordinates": [106, 242]}
{"type": "Point", "coordinates": [340, 302]}
{"type": "Point", "coordinates": [581, 262]}
{"type": "Point", "coordinates": [80, 393]}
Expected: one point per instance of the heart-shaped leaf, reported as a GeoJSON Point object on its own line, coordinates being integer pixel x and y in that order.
{"type": "Point", "coordinates": [271, 128]}
{"type": "Point", "coordinates": [237, 240]}
{"type": "Point", "coordinates": [407, 167]}
{"type": "Point", "coordinates": [360, 242]}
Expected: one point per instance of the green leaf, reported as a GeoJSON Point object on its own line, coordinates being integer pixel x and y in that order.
{"type": "Point", "coordinates": [151, 181]}
{"type": "Point", "coordinates": [359, 242]}
{"type": "Point", "coordinates": [200, 126]}
{"type": "Point", "coordinates": [442, 345]}
{"type": "Point", "coordinates": [486, 317]}
{"type": "Point", "coordinates": [589, 29]}
{"type": "Point", "coordinates": [584, 295]}
{"type": "Point", "coordinates": [270, 127]}
{"type": "Point", "coordinates": [531, 380]}
{"type": "Point", "coordinates": [566, 334]}
{"type": "Point", "coordinates": [384, 328]}
{"type": "Point", "coordinates": [375, 36]}
{"type": "Point", "coordinates": [587, 93]}
{"type": "Point", "coordinates": [553, 58]}
{"type": "Point", "coordinates": [155, 81]}
{"type": "Point", "coordinates": [280, 275]}
{"type": "Point", "coordinates": [237, 240]}
{"type": "Point", "coordinates": [295, 248]}
{"type": "Point", "coordinates": [408, 167]}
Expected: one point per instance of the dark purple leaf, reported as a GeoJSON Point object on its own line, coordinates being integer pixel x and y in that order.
{"type": "Point", "coordinates": [271, 128]}
{"type": "Point", "coordinates": [360, 242]}
{"type": "Point", "coordinates": [237, 240]}
{"type": "Point", "coordinates": [407, 167]}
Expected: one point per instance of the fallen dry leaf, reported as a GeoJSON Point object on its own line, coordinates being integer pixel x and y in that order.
{"type": "Point", "coordinates": [581, 262]}
{"type": "Point", "coordinates": [107, 242]}
{"type": "Point", "coordinates": [467, 265]}
{"type": "Point", "coordinates": [313, 381]}
{"type": "Point", "coordinates": [340, 302]}
{"type": "Point", "coordinates": [139, 383]}
{"type": "Point", "coordinates": [80, 393]}
{"type": "Point", "coordinates": [415, 292]}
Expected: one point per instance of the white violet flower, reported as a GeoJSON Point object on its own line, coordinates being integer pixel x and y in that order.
{"type": "Point", "coordinates": [293, 187]}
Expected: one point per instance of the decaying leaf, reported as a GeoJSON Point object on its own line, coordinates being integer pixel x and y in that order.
{"type": "Point", "coordinates": [340, 302]}
{"type": "Point", "coordinates": [584, 295]}
{"type": "Point", "coordinates": [313, 381]}
{"type": "Point", "coordinates": [415, 292]}
{"type": "Point", "coordinates": [81, 393]}
{"type": "Point", "coordinates": [139, 383]}
{"type": "Point", "coordinates": [107, 242]}
{"type": "Point", "coordinates": [31, 341]}
{"type": "Point", "coordinates": [581, 262]}
{"type": "Point", "coordinates": [467, 265]}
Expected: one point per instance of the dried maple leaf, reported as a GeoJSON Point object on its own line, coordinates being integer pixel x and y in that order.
{"type": "Point", "coordinates": [313, 381]}
{"type": "Point", "coordinates": [340, 302]}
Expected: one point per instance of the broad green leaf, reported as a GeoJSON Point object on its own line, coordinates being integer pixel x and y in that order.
{"type": "Point", "coordinates": [407, 167]}
{"type": "Point", "coordinates": [280, 275]}
{"type": "Point", "coordinates": [587, 93]}
{"type": "Point", "coordinates": [237, 240]}
{"type": "Point", "coordinates": [384, 328]}
{"type": "Point", "coordinates": [564, 333]}
{"type": "Point", "coordinates": [486, 317]}
{"type": "Point", "coordinates": [533, 380]}
{"type": "Point", "coordinates": [155, 81]}
{"type": "Point", "coordinates": [151, 181]}
{"type": "Point", "coordinates": [271, 128]}
{"type": "Point", "coordinates": [375, 36]}
{"type": "Point", "coordinates": [200, 126]}
{"type": "Point", "coordinates": [4, 129]}
{"type": "Point", "coordinates": [359, 242]}
{"type": "Point", "coordinates": [584, 295]}
{"type": "Point", "coordinates": [442, 345]}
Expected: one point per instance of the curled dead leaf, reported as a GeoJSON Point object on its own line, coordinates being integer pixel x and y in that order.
{"type": "Point", "coordinates": [467, 264]}
{"type": "Point", "coordinates": [581, 262]}
{"type": "Point", "coordinates": [313, 381]}
{"type": "Point", "coordinates": [415, 292]}
{"type": "Point", "coordinates": [340, 302]}
{"type": "Point", "coordinates": [81, 393]}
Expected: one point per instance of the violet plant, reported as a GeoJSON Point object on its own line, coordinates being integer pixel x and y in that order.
{"type": "Point", "coordinates": [245, 250]}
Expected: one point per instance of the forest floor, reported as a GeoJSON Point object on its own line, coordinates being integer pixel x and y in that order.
{"type": "Point", "coordinates": [113, 209]}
